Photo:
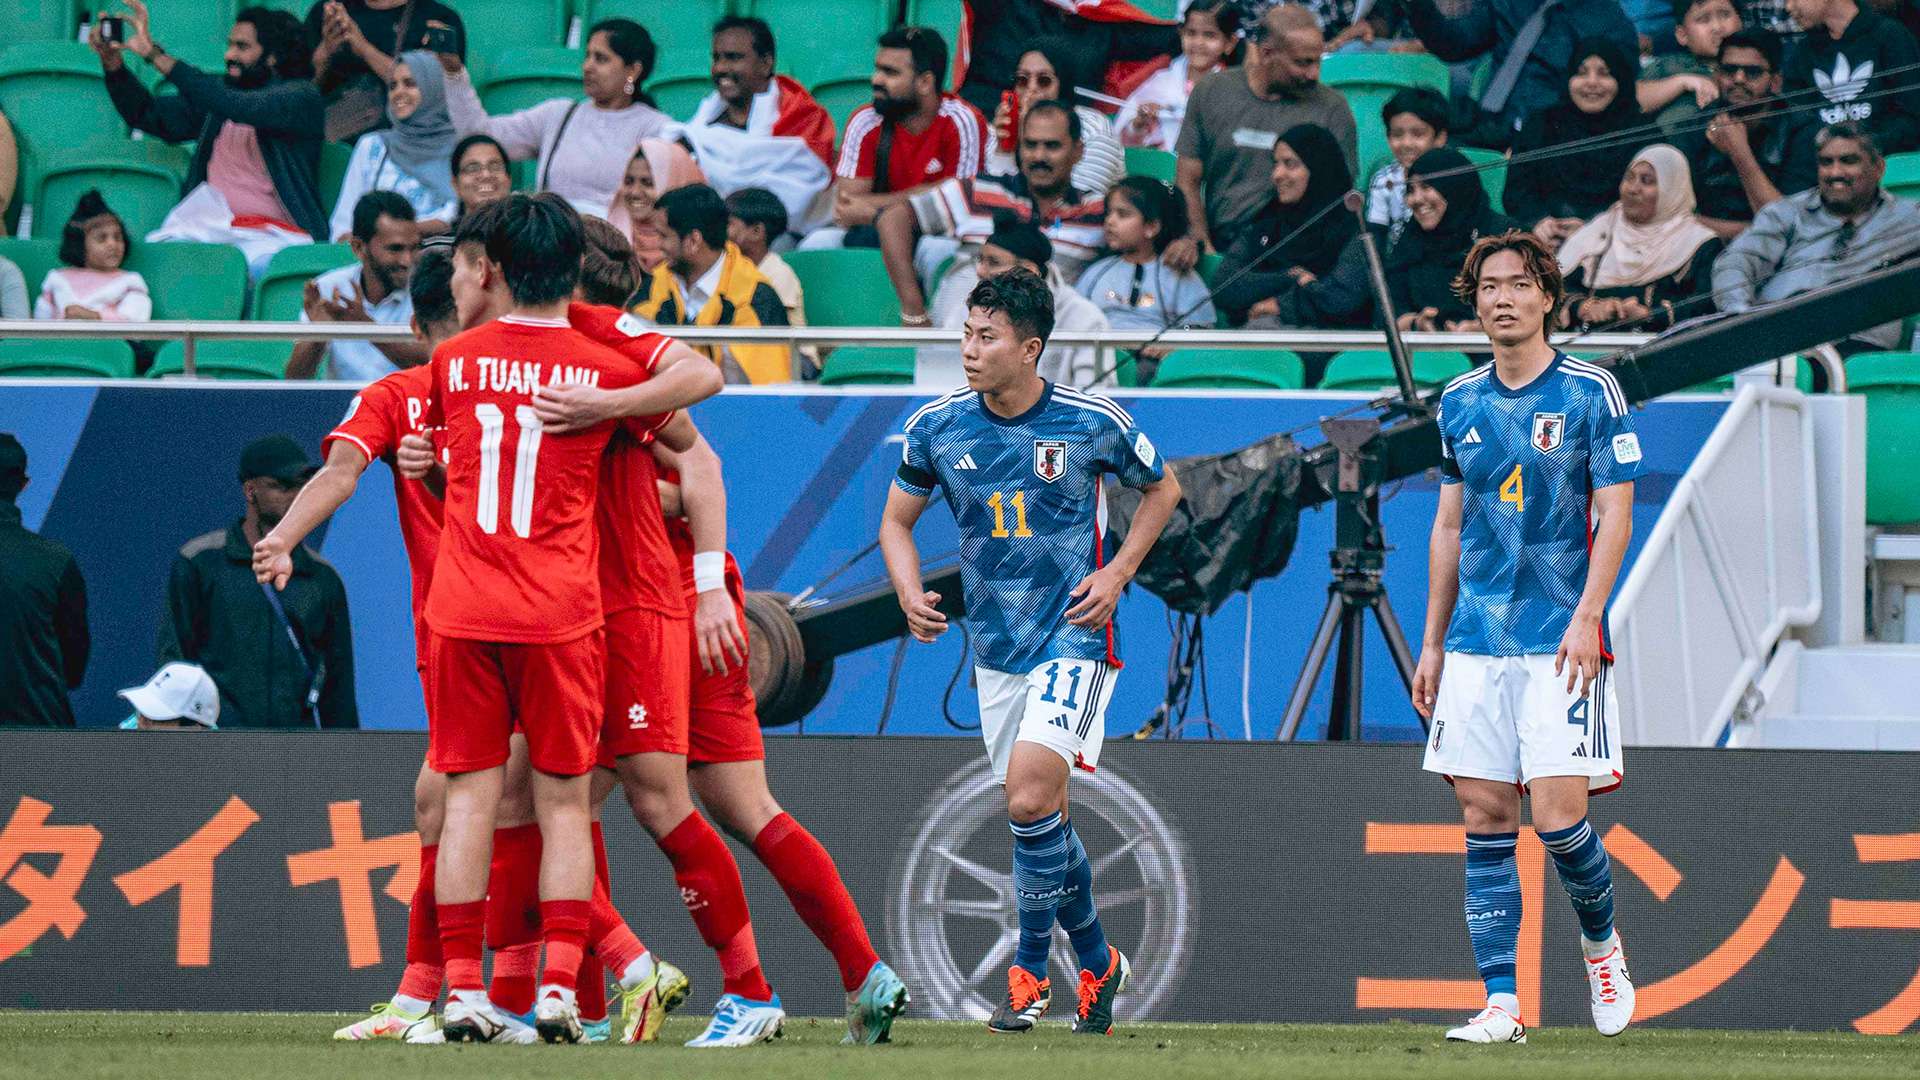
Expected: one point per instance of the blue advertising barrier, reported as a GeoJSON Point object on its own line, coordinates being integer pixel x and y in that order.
{"type": "Point", "coordinates": [124, 474]}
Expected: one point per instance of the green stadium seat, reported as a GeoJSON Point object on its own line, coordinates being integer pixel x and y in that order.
{"type": "Point", "coordinates": [1372, 369]}
{"type": "Point", "coordinates": [332, 173]}
{"type": "Point", "coordinates": [679, 95]}
{"type": "Point", "coordinates": [522, 78]}
{"type": "Point", "coordinates": [1367, 80]}
{"type": "Point", "coordinates": [41, 20]}
{"type": "Point", "coordinates": [192, 281]}
{"type": "Point", "coordinates": [1890, 381]}
{"type": "Point", "coordinates": [282, 289]}
{"type": "Point", "coordinates": [1232, 369]}
{"type": "Point", "coordinates": [1151, 161]}
{"type": "Point", "coordinates": [1903, 175]}
{"type": "Point", "coordinates": [53, 95]}
{"type": "Point", "coordinates": [138, 190]}
{"type": "Point", "coordinates": [845, 287]}
{"type": "Point", "coordinates": [843, 97]}
{"type": "Point", "coordinates": [193, 30]}
{"type": "Point", "coordinates": [818, 40]}
{"type": "Point", "coordinates": [682, 32]}
{"type": "Point", "coordinates": [71, 359]}
{"type": "Point", "coordinates": [942, 15]}
{"type": "Point", "coordinates": [34, 258]}
{"type": "Point", "coordinates": [1493, 178]}
{"type": "Point", "coordinates": [863, 365]}
{"type": "Point", "coordinates": [224, 359]}
{"type": "Point", "coordinates": [1161, 9]}
{"type": "Point", "coordinates": [496, 27]}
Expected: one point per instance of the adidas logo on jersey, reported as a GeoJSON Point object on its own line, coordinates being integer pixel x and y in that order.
{"type": "Point", "coordinates": [1473, 437]}
{"type": "Point", "coordinates": [965, 462]}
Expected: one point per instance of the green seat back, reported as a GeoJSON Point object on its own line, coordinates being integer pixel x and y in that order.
{"type": "Point", "coordinates": [521, 78]}
{"type": "Point", "coordinates": [1903, 175]}
{"type": "Point", "coordinates": [845, 287]}
{"type": "Point", "coordinates": [1372, 369]}
{"type": "Point", "coordinates": [865, 365]}
{"type": "Point", "coordinates": [843, 97]}
{"type": "Point", "coordinates": [497, 27]}
{"type": "Point", "coordinates": [334, 158]}
{"type": "Point", "coordinates": [53, 96]}
{"type": "Point", "coordinates": [1252, 369]}
{"type": "Point", "coordinates": [1494, 177]}
{"type": "Point", "coordinates": [282, 289]}
{"type": "Point", "coordinates": [942, 15]}
{"type": "Point", "coordinates": [193, 30]}
{"type": "Point", "coordinates": [1151, 161]}
{"type": "Point", "coordinates": [69, 359]}
{"type": "Point", "coordinates": [192, 281]}
{"type": "Point", "coordinates": [141, 192]}
{"type": "Point", "coordinates": [34, 258]}
{"type": "Point", "coordinates": [41, 20]}
{"type": "Point", "coordinates": [1890, 382]}
{"type": "Point", "coordinates": [224, 359]}
{"type": "Point", "coordinates": [825, 39]}
{"type": "Point", "coordinates": [682, 33]}
{"type": "Point", "coordinates": [679, 95]}
{"type": "Point", "coordinates": [1367, 80]}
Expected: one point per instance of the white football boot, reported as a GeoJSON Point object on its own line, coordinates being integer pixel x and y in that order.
{"type": "Point", "coordinates": [1492, 1025]}
{"type": "Point", "coordinates": [1611, 987]}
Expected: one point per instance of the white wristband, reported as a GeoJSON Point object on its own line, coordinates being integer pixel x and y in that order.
{"type": "Point", "coordinates": [709, 571]}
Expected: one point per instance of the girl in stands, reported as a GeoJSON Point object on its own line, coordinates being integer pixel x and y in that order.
{"type": "Point", "coordinates": [411, 157]}
{"type": "Point", "coordinates": [480, 174]}
{"type": "Point", "coordinates": [1132, 285]}
{"type": "Point", "coordinates": [1642, 260]}
{"type": "Point", "coordinates": [1209, 34]}
{"type": "Point", "coordinates": [1045, 73]}
{"type": "Point", "coordinates": [658, 167]}
{"type": "Point", "coordinates": [1300, 234]}
{"type": "Point", "coordinates": [94, 283]}
{"type": "Point", "coordinates": [582, 145]}
{"type": "Point", "coordinates": [1554, 194]}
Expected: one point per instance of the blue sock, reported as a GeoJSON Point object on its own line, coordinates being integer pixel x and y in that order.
{"type": "Point", "coordinates": [1587, 875]}
{"type": "Point", "coordinates": [1039, 871]}
{"type": "Point", "coordinates": [1078, 916]}
{"type": "Point", "coordinates": [1493, 907]}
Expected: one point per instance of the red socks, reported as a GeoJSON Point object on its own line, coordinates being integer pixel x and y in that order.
{"type": "Point", "coordinates": [513, 888]}
{"type": "Point", "coordinates": [812, 884]}
{"type": "Point", "coordinates": [512, 987]}
{"type": "Point", "coordinates": [461, 927]}
{"type": "Point", "coordinates": [424, 967]}
{"type": "Point", "coordinates": [591, 989]}
{"type": "Point", "coordinates": [710, 885]}
{"type": "Point", "coordinates": [564, 926]}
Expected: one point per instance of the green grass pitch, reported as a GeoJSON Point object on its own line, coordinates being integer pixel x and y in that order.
{"type": "Point", "coordinates": [283, 1046]}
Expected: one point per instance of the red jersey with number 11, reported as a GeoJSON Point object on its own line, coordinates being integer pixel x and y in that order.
{"type": "Point", "coordinates": [519, 554]}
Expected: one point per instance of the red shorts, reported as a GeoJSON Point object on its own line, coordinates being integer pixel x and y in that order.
{"type": "Point", "coordinates": [647, 689]}
{"type": "Point", "coordinates": [482, 689]}
{"type": "Point", "coordinates": [726, 720]}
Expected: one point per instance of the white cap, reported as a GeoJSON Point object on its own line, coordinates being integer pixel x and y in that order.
{"type": "Point", "coordinates": [178, 692]}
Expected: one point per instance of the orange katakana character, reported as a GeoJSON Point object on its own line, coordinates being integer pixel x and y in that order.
{"type": "Point", "coordinates": [189, 868]}
{"type": "Point", "coordinates": [1899, 1014]}
{"type": "Point", "coordinates": [351, 861]}
{"type": "Point", "coordinates": [52, 899]}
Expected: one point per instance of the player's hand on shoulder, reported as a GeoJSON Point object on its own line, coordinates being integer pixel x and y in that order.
{"type": "Point", "coordinates": [1426, 681]}
{"type": "Point", "coordinates": [562, 409]}
{"type": "Point", "coordinates": [716, 631]}
{"type": "Point", "coordinates": [1097, 595]}
{"type": "Point", "coordinates": [925, 621]}
{"type": "Point", "coordinates": [414, 456]}
{"type": "Point", "coordinates": [272, 561]}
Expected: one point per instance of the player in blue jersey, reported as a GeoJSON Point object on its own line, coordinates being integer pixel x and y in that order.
{"type": "Point", "coordinates": [1020, 461]}
{"type": "Point", "coordinates": [1536, 507]}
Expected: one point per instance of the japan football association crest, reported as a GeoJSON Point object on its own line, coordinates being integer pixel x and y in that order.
{"type": "Point", "coordinates": [1548, 429]}
{"type": "Point", "coordinates": [1049, 459]}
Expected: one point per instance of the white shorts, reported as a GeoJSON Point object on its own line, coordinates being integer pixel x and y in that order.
{"type": "Point", "coordinates": [1062, 705]}
{"type": "Point", "coordinates": [1511, 719]}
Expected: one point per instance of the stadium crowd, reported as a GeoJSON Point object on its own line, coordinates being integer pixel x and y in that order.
{"type": "Point", "coordinates": [1680, 158]}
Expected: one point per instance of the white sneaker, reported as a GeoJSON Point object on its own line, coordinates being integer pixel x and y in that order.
{"type": "Point", "coordinates": [739, 1021]}
{"type": "Point", "coordinates": [386, 1021]}
{"type": "Point", "coordinates": [1611, 988]}
{"type": "Point", "coordinates": [557, 1018]}
{"type": "Point", "coordinates": [1492, 1025]}
{"type": "Point", "coordinates": [471, 1019]}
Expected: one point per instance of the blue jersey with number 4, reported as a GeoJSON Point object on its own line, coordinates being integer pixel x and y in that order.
{"type": "Point", "coordinates": [1530, 459]}
{"type": "Point", "coordinates": [1026, 494]}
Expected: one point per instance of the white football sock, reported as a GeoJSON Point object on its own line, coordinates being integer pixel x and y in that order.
{"type": "Point", "coordinates": [412, 1006]}
{"type": "Point", "coordinates": [1508, 1002]}
{"type": "Point", "coordinates": [552, 991]}
{"type": "Point", "coordinates": [1594, 950]}
{"type": "Point", "coordinates": [638, 972]}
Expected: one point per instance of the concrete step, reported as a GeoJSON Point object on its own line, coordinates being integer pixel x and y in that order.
{"type": "Point", "coordinates": [1860, 681]}
{"type": "Point", "coordinates": [1804, 732]}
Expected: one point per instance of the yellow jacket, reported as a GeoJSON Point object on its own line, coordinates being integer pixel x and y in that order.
{"type": "Point", "coordinates": [744, 297]}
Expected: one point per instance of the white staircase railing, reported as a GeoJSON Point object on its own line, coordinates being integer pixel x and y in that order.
{"type": "Point", "coordinates": [1732, 564]}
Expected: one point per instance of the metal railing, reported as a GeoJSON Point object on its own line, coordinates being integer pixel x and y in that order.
{"type": "Point", "coordinates": [191, 333]}
{"type": "Point", "coordinates": [1731, 566]}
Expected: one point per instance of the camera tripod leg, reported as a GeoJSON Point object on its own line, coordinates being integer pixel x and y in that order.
{"type": "Point", "coordinates": [1396, 643]}
{"type": "Point", "coordinates": [1349, 674]}
{"type": "Point", "coordinates": [1310, 668]}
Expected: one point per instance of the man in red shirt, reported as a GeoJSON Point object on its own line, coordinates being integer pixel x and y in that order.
{"type": "Point", "coordinates": [912, 137]}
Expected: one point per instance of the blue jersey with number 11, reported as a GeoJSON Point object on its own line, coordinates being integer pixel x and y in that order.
{"type": "Point", "coordinates": [1026, 494]}
{"type": "Point", "coordinates": [1530, 458]}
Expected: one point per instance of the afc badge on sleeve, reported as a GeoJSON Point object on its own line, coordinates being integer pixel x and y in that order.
{"type": "Point", "coordinates": [1548, 429]}
{"type": "Point", "coordinates": [1049, 459]}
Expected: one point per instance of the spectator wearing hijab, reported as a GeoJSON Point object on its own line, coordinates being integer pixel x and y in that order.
{"type": "Point", "coordinates": [1298, 235]}
{"type": "Point", "coordinates": [413, 157]}
{"type": "Point", "coordinates": [657, 167]}
{"type": "Point", "coordinates": [1554, 192]}
{"type": "Point", "coordinates": [1045, 72]}
{"type": "Point", "coordinates": [1449, 211]}
{"type": "Point", "coordinates": [1647, 260]}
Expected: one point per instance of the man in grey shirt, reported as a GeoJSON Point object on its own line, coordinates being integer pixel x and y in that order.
{"type": "Point", "coordinates": [1235, 116]}
{"type": "Point", "coordinates": [1845, 226]}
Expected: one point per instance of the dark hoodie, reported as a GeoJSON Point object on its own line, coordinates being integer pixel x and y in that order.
{"type": "Point", "coordinates": [1846, 72]}
{"type": "Point", "coordinates": [1578, 183]}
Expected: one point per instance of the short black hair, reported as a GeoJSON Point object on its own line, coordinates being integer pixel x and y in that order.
{"type": "Point", "coordinates": [1157, 204]}
{"type": "Point", "coordinates": [1042, 108]}
{"type": "Point", "coordinates": [1022, 297]}
{"type": "Point", "coordinates": [1423, 104]}
{"type": "Point", "coordinates": [535, 239]}
{"type": "Point", "coordinates": [1681, 7]}
{"type": "Point", "coordinates": [1760, 40]}
{"type": "Point", "coordinates": [696, 208]}
{"type": "Point", "coordinates": [375, 205]}
{"type": "Point", "coordinates": [73, 237]}
{"type": "Point", "coordinates": [460, 149]}
{"type": "Point", "coordinates": [929, 50]}
{"type": "Point", "coordinates": [431, 285]}
{"type": "Point", "coordinates": [758, 206]}
{"type": "Point", "coordinates": [757, 30]}
{"type": "Point", "coordinates": [630, 42]}
{"type": "Point", "coordinates": [1853, 131]}
{"type": "Point", "coordinates": [283, 40]}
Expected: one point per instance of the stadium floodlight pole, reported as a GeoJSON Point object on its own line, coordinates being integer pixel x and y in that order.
{"type": "Point", "coordinates": [1410, 402]}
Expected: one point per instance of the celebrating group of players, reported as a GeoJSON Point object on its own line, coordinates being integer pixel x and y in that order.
{"type": "Point", "coordinates": [578, 626]}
